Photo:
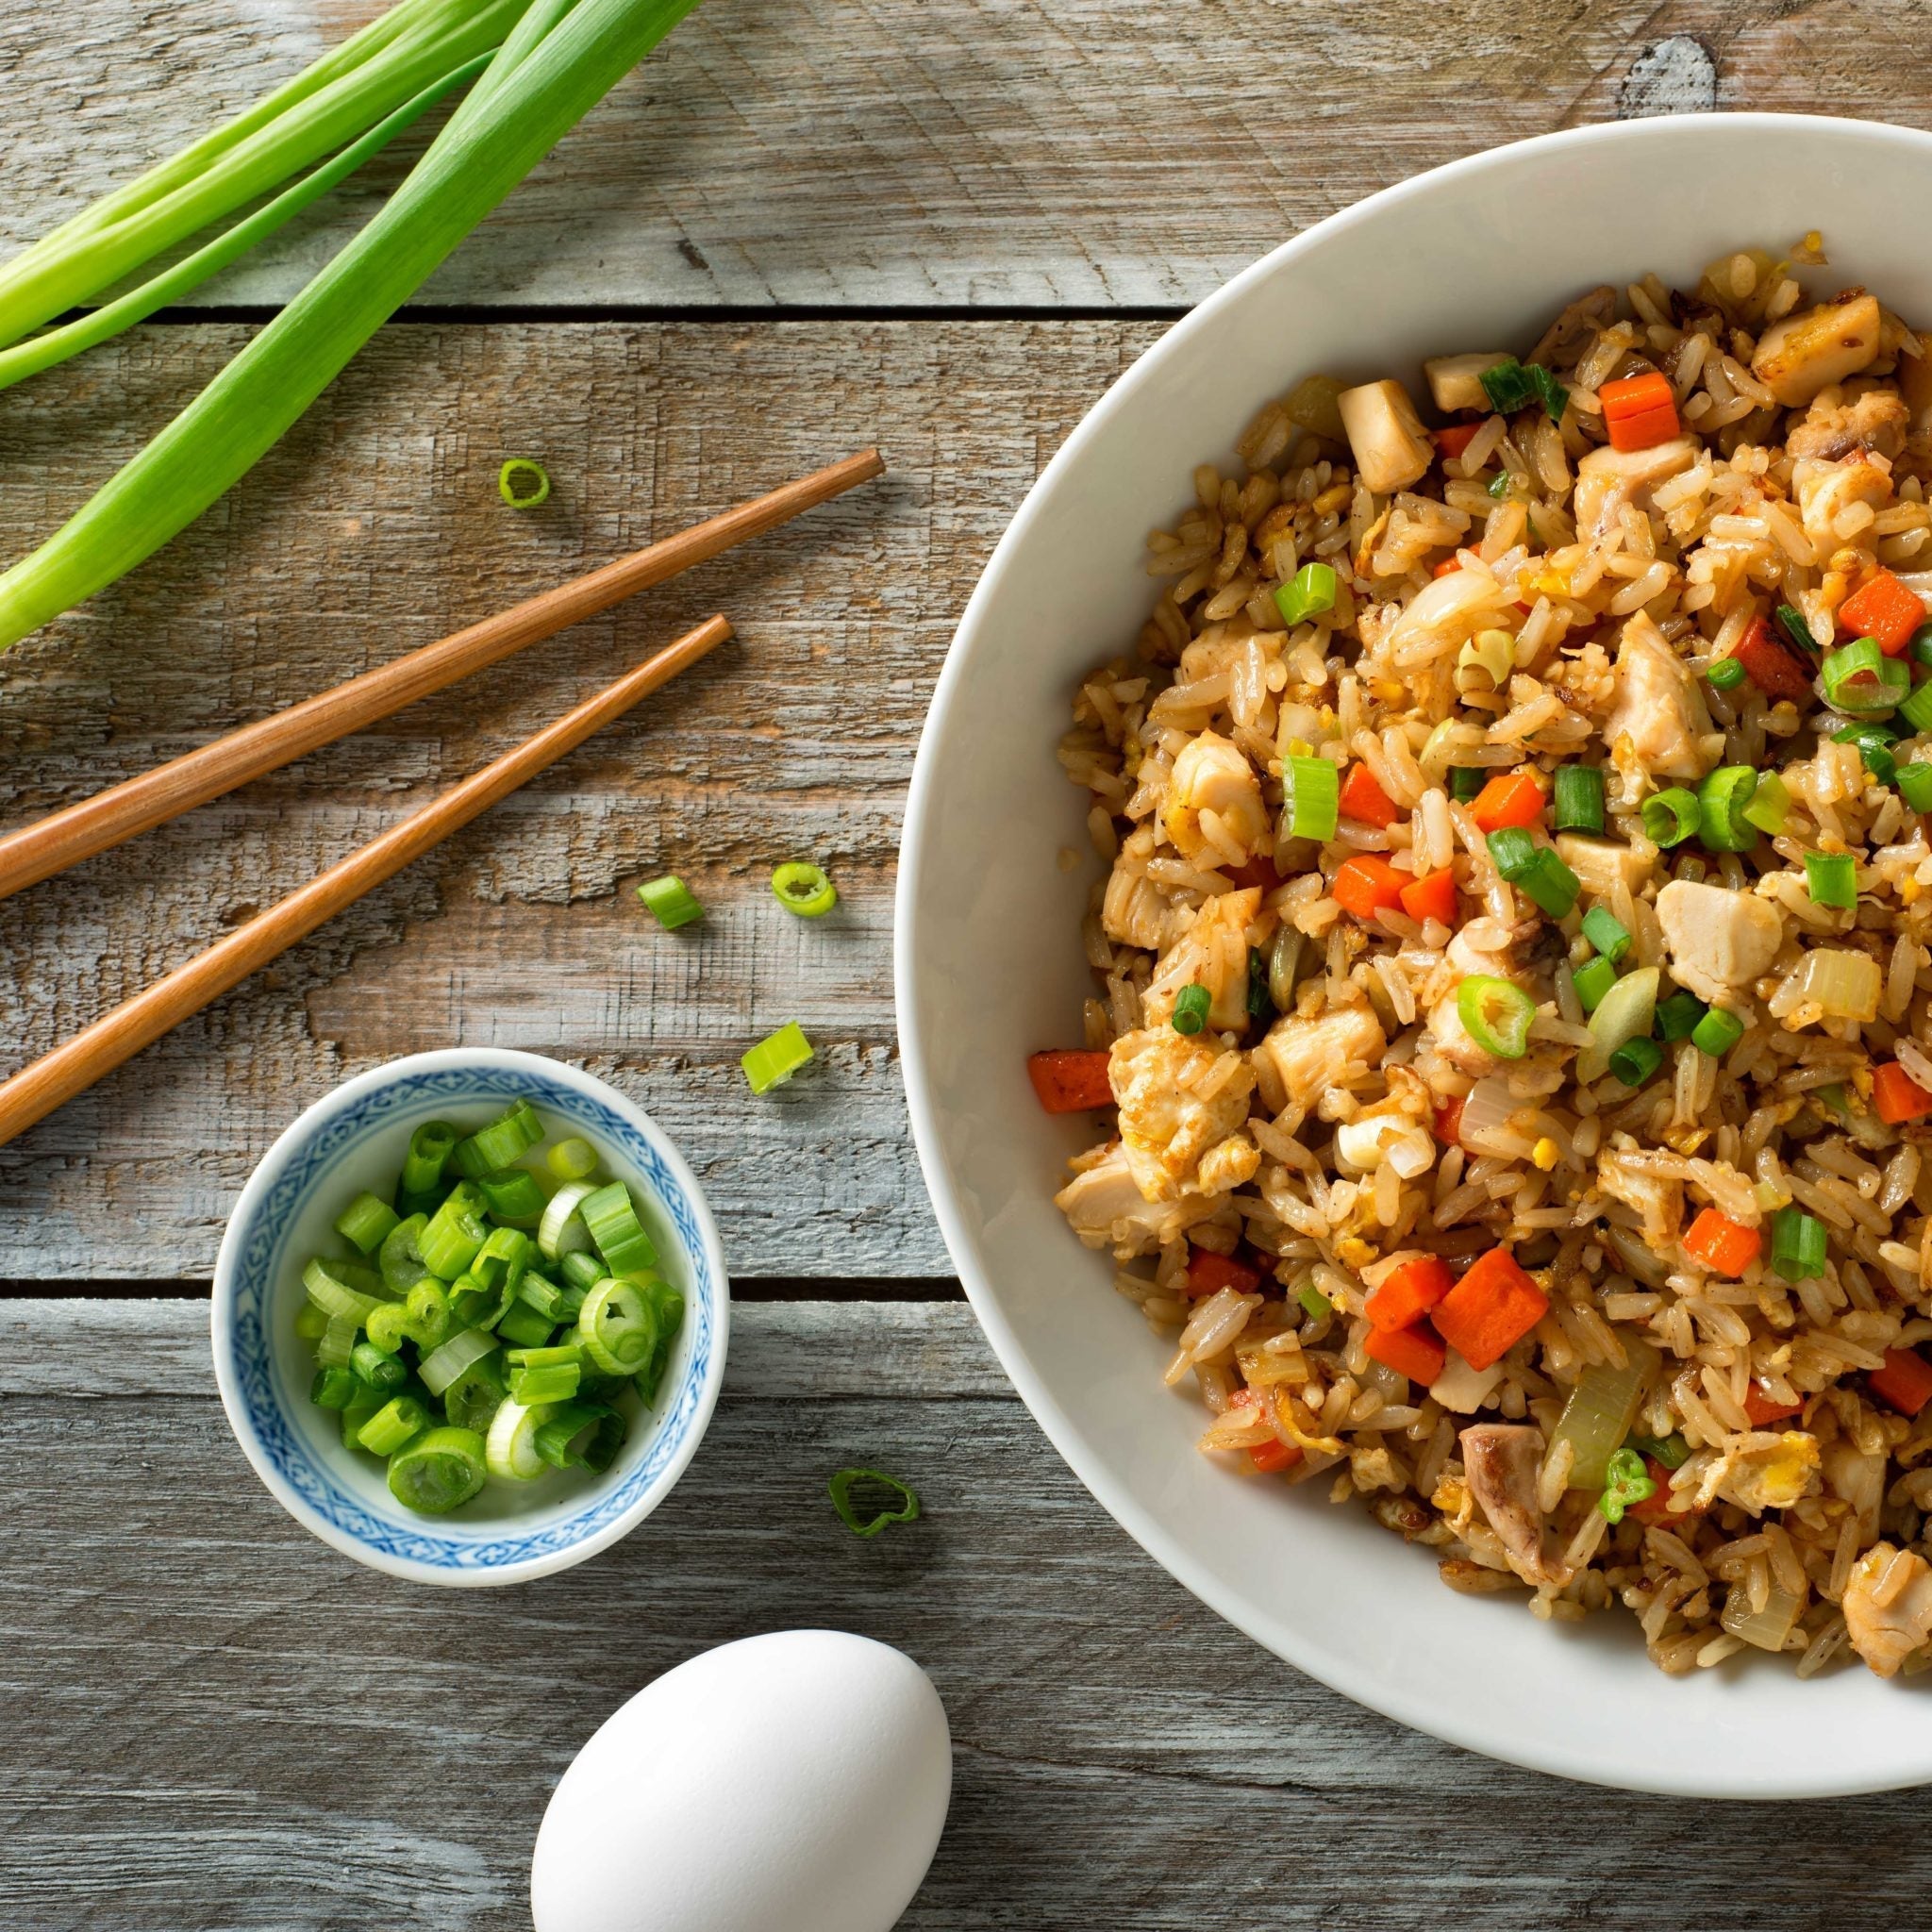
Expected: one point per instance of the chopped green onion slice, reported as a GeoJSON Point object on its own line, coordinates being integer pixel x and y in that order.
{"type": "Point", "coordinates": [431, 1147]}
{"type": "Point", "coordinates": [514, 1195]}
{"type": "Point", "coordinates": [1555, 398]}
{"type": "Point", "coordinates": [1511, 386]}
{"type": "Point", "coordinates": [1770, 804]}
{"type": "Point", "coordinates": [1717, 1033]}
{"type": "Point", "coordinates": [582, 1270]}
{"type": "Point", "coordinates": [1671, 816]}
{"type": "Point", "coordinates": [378, 1366]}
{"type": "Point", "coordinates": [616, 1232]}
{"type": "Point", "coordinates": [1536, 871]}
{"type": "Point", "coordinates": [1727, 674]}
{"type": "Point", "coordinates": [1602, 929]}
{"type": "Point", "coordinates": [1831, 879]}
{"type": "Point", "coordinates": [669, 902]}
{"type": "Point", "coordinates": [1311, 794]}
{"type": "Point", "coordinates": [338, 1342]}
{"type": "Point", "coordinates": [366, 1221]}
{"type": "Point", "coordinates": [562, 1231]}
{"type": "Point", "coordinates": [1626, 1483]}
{"type": "Point", "coordinates": [1920, 649]}
{"type": "Point", "coordinates": [1191, 1009]}
{"type": "Point", "coordinates": [1874, 744]}
{"type": "Point", "coordinates": [396, 1422]}
{"type": "Point", "coordinates": [1591, 980]}
{"type": "Point", "coordinates": [1635, 1060]}
{"type": "Point", "coordinates": [509, 1450]}
{"type": "Point", "coordinates": [1797, 1244]}
{"type": "Point", "coordinates": [1466, 781]}
{"type": "Point", "coordinates": [1499, 485]}
{"type": "Point", "coordinates": [329, 1288]}
{"type": "Point", "coordinates": [439, 1471]}
{"type": "Point", "coordinates": [1792, 621]}
{"type": "Point", "coordinates": [522, 483]}
{"type": "Point", "coordinates": [1261, 1001]}
{"type": "Point", "coordinates": [1859, 676]}
{"type": "Point", "coordinates": [1578, 799]}
{"type": "Point", "coordinates": [335, 1387]}
{"type": "Point", "coordinates": [1496, 1014]}
{"type": "Point", "coordinates": [870, 1516]}
{"type": "Point", "coordinates": [667, 1309]}
{"type": "Point", "coordinates": [1914, 782]}
{"type": "Point", "coordinates": [501, 1144]}
{"type": "Point", "coordinates": [523, 1327]}
{"type": "Point", "coordinates": [581, 1435]}
{"type": "Point", "coordinates": [1677, 1017]}
{"type": "Point", "coordinates": [1720, 802]}
{"type": "Point", "coordinates": [426, 1314]}
{"type": "Point", "coordinates": [473, 1397]}
{"type": "Point", "coordinates": [776, 1058]}
{"type": "Point", "coordinates": [1311, 592]}
{"type": "Point", "coordinates": [1315, 1304]}
{"type": "Point", "coordinates": [311, 1325]}
{"type": "Point", "coordinates": [545, 1375]}
{"type": "Point", "coordinates": [617, 1327]}
{"type": "Point", "coordinates": [1833, 1097]}
{"type": "Point", "coordinates": [401, 1259]}
{"type": "Point", "coordinates": [359, 1413]}
{"type": "Point", "coordinates": [1916, 709]}
{"type": "Point", "coordinates": [1672, 1451]}
{"type": "Point", "coordinates": [571, 1160]}
{"type": "Point", "coordinates": [500, 1263]}
{"type": "Point", "coordinates": [804, 889]}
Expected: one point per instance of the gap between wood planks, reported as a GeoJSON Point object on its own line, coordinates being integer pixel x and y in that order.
{"type": "Point", "coordinates": [756, 1288]}
{"type": "Point", "coordinates": [479, 315]}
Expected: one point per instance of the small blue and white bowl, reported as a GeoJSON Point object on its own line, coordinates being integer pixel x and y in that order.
{"type": "Point", "coordinates": [355, 1138]}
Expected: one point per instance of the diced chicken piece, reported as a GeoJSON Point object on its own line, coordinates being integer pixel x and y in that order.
{"type": "Point", "coordinates": [1874, 423]}
{"type": "Point", "coordinates": [1213, 952]}
{"type": "Point", "coordinates": [1766, 1470]}
{"type": "Point", "coordinates": [1501, 1462]}
{"type": "Point", "coordinates": [1827, 491]}
{"type": "Point", "coordinates": [1609, 478]}
{"type": "Point", "coordinates": [1601, 865]}
{"type": "Point", "coordinates": [1106, 1208]}
{"type": "Point", "coordinates": [1132, 911]}
{"type": "Point", "coordinates": [1312, 1055]}
{"type": "Point", "coordinates": [1889, 1610]}
{"type": "Point", "coordinates": [1213, 775]}
{"type": "Point", "coordinates": [1657, 719]}
{"type": "Point", "coordinates": [1719, 941]}
{"type": "Point", "coordinates": [1456, 382]}
{"type": "Point", "coordinates": [1178, 1101]}
{"type": "Point", "coordinates": [1803, 354]}
{"type": "Point", "coordinates": [1391, 448]}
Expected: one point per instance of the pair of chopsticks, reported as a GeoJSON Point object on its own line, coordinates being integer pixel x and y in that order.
{"type": "Point", "coordinates": [38, 851]}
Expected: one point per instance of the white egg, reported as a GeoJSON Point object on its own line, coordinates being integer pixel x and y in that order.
{"type": "Point", "coordinates": [791, 1782]}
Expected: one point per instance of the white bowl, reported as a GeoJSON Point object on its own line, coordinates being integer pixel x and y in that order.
{"type": "Point", "coordinates": [355, 1138]}
{"type": "Point", "coordinates": [1475, 255]}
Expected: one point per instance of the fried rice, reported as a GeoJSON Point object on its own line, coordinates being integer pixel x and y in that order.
{"type": "Point", "coordinates": [1540, 1161]}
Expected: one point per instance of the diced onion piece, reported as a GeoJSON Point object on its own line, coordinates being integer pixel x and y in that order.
{"type": "Point", "coordinates": [1599, 1413]}
{"type": "Point", "coordinates": [562, 1231]}
{"type": "Point", "coordinates": [1486, 1110]}
{"type": "Point", "coordinates": [1766, 1628]}
{"type": "Point", "coordinates": [441, 1366]}
{"type": "Point", "coordinates": [1845, 984]}
{"type": "Point", "coordinates": [1625, 1013]}
{"type": "Point", "coordinates": [1461, 1389]}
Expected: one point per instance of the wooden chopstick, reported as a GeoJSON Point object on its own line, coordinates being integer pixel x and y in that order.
{"type": "Point", "coordinates": [64, 838]}
{"type": "Point", "coordinates": [37, 1090]}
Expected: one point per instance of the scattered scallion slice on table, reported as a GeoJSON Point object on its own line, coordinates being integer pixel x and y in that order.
{"type": "Point", "coordinates": [866, 1514]}
{"type": "Point", "coordinates": [523, 483]}
{"type": "Point", "coordinates": [776, 1058]}
{"type": "Point", "coordinates": [452, 1356]}
{"type": "Point", "coordinates": [804, 889]}
{"type": "Point", "coordinates": [669, 901]}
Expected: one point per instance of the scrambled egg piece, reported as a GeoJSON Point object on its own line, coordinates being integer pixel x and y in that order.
{"type": "Point", "coordinates": [1178, 1139]}
{"type": "Point", "coordinates": [1767, 1470]}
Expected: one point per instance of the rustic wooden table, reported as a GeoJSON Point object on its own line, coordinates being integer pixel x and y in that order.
{"type": "Point", "coordinates": [807, 226]}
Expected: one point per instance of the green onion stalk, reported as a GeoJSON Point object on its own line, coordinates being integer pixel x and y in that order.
{"type": "Point", "coordinates": [558, 61]}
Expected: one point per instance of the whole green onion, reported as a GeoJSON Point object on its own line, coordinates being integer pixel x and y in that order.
{"type": "Point", "coordinates": [1311, 796]}
{"type": "Point", "coordinates": [1720, 801]}
{"type": "Point", "coordinates": [670, 902]}
{"type": "Point", "coordinates": [1607, 933]}
{"type": "Point", "coordinates": [556, 64]}
{"type": "Point", "coordinates": [1831, 879]}
{"type": "Point", "coordinates": [1717, 1033]}
{"type": "Point", "coordinates": [1310, 593]}
{"type": "Point", "coordinates": [1874, 744]}
{"type": "Point", "coordinates": [1496, 1014]}
{"type": "Point", "coordinates": [1797, 1244]}
{"type": "Point", "coordinates": [1577, 799]}
{"type": "Point", "coordinates": [1670, 816]}
{"type": "Point", "coordinates": [1191, 1009]}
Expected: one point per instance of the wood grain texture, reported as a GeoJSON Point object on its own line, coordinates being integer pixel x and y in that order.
{"type": "Point", "coordinates": [376, 526]}
{"type": "Point", "coordinates": [959, 152]}
{"type": "Point", "coordinates": [183, 1754]}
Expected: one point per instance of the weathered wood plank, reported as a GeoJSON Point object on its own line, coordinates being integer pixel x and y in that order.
{"type": "Point", "coordinates": [376, 526]}
{"type": "Point", "coordinates": [214, 1721]}
{"type": "Point", "coordinates": [1084, 152]}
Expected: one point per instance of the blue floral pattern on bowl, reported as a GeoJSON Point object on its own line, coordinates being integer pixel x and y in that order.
{"type": "Point", "coordinates": [261, 1288]}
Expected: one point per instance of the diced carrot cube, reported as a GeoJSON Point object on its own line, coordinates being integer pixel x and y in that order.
{"type": "Point", "coordinates": [1417, 1353]}
{"type": "Point", "coordinates": [1209, 1273]}
{"type": "Point", "coordinates": [1515, 798]}
{"type": "Point", "coordinates": [1432, 897]}
{"type": "Point", "coordinates": [1410, 1291]}
{"type": "Point", "coordinates": [1904, 1381]}
{"type": "Point", "coordinates": [1883, 608]}
{"type": "Point", "coordinates": [1070, 1079]}
{"type": "Point", "coordinates": [1897, 1096]}
{"type": "Point", "coordinates": [1640, 411]}
{"type": "Point", "coordinates": [1366, 885]}
{"type": "Point", "coordinates": [1270, 1458]}
{"type": "Point", "coordinates": [1761, 1411]}
{"type": "Point", "coordinates": [1457, 438]}
{"type": "Point", "coordinates": [1490, 1309]}
{"type": "Point", "coordinates": [1364, 800]}
{"type": "Point", "coordinates": [1722, 1245]}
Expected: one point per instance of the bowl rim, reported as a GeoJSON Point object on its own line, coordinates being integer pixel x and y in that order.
{"type": "Point", "coordinates": [224, 1341]}
{"type": "Point", "coordinates": [1309, 1652]}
